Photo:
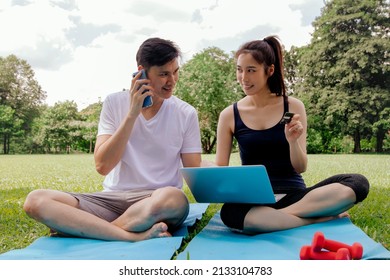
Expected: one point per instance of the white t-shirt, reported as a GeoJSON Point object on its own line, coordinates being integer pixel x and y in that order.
{"type": "Point", "coordinates": [152, 156]}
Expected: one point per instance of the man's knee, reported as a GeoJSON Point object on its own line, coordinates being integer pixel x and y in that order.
{"type": "Point", "coordinates": [170, 205]}
{"type": "Point", "coordinates": [37, 200]}
{"type": "Point", "coordinates": [169, 197]}
{"type": "Point", "coordinates": [33, 202]}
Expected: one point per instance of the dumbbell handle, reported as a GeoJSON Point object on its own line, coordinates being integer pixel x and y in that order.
{"type": "Point", "coordinates": [307, 253]}
{"type": "Point", "coordinates": [319, 243]}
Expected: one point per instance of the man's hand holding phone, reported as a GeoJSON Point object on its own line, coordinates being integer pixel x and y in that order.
{"type": "Point", "coordinates": [140, 76]}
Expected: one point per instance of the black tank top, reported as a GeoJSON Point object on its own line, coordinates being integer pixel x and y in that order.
{"type": "Point", "coordinates": [270, 148]}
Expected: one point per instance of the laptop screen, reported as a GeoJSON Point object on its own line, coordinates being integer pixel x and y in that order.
{"type": "Point", "coordinates": [232, 184]}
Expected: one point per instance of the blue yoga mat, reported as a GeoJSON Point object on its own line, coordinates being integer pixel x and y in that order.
{"type": "Point", "coordinates": [66, 248]}
{"type": "Point", "coordinates": [217, 242]}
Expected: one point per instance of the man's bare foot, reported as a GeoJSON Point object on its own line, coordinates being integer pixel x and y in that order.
{"type": "Point", "coordinates": [158, 230]}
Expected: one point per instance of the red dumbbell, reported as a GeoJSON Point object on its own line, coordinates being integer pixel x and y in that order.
{"type": "Point", "coordinates": [307, 253]}
{"type": "Point", "coordinates": [319, 243]}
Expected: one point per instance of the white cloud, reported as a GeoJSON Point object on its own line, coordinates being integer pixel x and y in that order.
{"type": "Point", "coordinates": [83, 50]}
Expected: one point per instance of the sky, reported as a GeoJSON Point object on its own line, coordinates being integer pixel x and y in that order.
{"type": "Point", "coordinates": [83, 50]}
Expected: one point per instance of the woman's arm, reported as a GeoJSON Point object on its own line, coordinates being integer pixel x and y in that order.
{"type": "Point", "coordinates": [296, 132]}
{"type": "Point", "coordinates": [225, 136]}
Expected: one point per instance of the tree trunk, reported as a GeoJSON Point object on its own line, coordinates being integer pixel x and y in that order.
{"type": "Point", "coordinates": [213, 144]}
{"type": "Point", "coordinates": [380, 136]}
{"type": "Point", "coordinates": [205, 146]}
{"type": "Point", "coordinates": [4, 143]}
{"type": "Point", "coordinates": [8, 141]}
{"type": "Point", "coordinates": [356, 139]}
{"type": "Point", "coordinates": [90, 146]}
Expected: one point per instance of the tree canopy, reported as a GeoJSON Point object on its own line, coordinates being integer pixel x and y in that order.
{"type": "Point", "coordinates": [342, 76]}
{"type": "Point", "coordinates": [21, 98]}
{"type": "Point", "coordinates": [345, 69]}
{"type": "Point", "coordinates": [208, 82]}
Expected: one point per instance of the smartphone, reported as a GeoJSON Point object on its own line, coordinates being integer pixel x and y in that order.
{"type": "Point", "coordinates": [287, 118]}
{"type": "Point", "coordinates": [148, 100]}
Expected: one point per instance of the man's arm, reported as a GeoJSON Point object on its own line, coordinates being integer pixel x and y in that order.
{"type": "Point", "coordinates": [109, 148]}
{"type": "Point", "coordinates": [191, 159]}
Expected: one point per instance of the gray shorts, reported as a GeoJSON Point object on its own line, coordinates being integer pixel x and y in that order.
{"type": "Point", "coordinates": [110, 205]}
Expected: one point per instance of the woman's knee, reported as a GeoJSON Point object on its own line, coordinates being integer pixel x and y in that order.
{"type": "Point", "coordinates": [233, 215]}
{"type": "Point", "coordinates": [358, 183]}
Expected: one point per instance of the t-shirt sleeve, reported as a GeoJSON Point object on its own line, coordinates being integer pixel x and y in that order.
{"type": "Point", "coordinates": [192, 143]}
{"type": "Point", "coordinates": [107, 120]}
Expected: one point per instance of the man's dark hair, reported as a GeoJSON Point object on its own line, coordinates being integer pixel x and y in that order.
{"type": "Point", "coordinates": [156, 52]}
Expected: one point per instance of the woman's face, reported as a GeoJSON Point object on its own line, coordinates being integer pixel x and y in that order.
{"type": "Point", "coordinates": [251, 75]}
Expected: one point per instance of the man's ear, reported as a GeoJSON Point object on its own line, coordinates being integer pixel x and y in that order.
{"type": "Point", "coordinates": [140, 67]}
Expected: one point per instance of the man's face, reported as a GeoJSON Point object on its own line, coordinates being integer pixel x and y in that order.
{"type": "Point", "coordinates": [164, 78]}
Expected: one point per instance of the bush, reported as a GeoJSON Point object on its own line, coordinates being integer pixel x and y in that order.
{"type": "Point", "coordinates": [314, 142]}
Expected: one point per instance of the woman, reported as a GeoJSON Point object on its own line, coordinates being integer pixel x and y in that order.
{"type": "Point", "coordinates": [255, 121]}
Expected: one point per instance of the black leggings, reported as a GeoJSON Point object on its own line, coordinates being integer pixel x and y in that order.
{"type": "Point", "coordinates": [233, 214]}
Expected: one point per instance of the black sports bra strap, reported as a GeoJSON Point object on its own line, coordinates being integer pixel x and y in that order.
{"type": "Point", "coordinates": [285, 103]}
{"type": "Point", "coordinates": [237, 118]}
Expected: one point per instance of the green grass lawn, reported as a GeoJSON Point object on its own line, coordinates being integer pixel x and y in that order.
{"type": "Point", "coordinates": [21, 174]}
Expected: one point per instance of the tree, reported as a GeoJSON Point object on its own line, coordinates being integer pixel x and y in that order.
{"type": "Point", "coordinates": [86, 128]}
{"type": "Point", "coordinates": [10, 125]}
{"type": "Point", "coordinates": [56, 129]}
{"type": "Point", "coordinates": [291, 69]}
{"type": "Point", "coordinates": [21, 92]}
{"type": "Point", "coordinates": [345, 68]}
{"type": "Point", "coordinates": [208, 82]}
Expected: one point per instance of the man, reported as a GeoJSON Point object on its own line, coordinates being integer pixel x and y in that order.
{"type": "Point", "coordinates": [139, 150]}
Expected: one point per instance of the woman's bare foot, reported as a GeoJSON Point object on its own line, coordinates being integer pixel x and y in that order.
{"type": "Point", "coordinates": [329, 218]}
{"type": "Point", "coordinates": [344, 215]}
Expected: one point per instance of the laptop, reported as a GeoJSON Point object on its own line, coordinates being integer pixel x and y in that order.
{"type": "Point", "coordinates": [233, 184]}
